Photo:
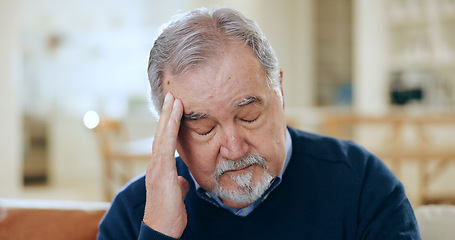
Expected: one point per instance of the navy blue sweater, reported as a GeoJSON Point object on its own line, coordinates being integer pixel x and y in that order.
{"type": "Point", "coordinates": [331, 189]}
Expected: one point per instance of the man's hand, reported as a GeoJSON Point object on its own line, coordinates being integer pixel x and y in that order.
{"type": "Point", "coordinates": [164, 209]}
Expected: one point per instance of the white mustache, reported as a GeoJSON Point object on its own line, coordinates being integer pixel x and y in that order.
{"type": "Point", "coordinates": [229, 165]}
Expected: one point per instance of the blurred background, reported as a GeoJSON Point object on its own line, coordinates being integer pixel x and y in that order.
{"type": "Point", "coordinates": [75, 122]}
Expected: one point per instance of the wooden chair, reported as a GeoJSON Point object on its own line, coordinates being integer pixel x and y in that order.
{"type": "Point", "coordinates": [119, 154]}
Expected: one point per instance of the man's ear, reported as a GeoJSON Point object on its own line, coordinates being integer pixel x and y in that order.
{"type": "Point", "coordinates": [281, 85]}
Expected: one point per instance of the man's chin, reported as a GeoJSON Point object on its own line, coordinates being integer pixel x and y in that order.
{"type": "Point", "coordinates": [234, 189]}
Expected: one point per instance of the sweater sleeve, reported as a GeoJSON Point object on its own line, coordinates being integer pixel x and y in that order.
{"type": "Point", "coordinates": [150, 234]}
{"type": "Point", "coordinates": [385, 212]}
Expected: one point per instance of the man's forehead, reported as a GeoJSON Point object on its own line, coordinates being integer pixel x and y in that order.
{"type": "Point", "coordinates": [234, 80]}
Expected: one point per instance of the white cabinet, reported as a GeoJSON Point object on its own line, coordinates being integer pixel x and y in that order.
{"type": "Point", "coordinates": [421, 45]}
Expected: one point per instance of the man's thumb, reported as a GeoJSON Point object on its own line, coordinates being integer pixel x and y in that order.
{"type": "Point", "coordinates": [184, 186]}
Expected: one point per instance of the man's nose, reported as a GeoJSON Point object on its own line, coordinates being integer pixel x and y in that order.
{"type": "Point", "coordinates": [233, 144]}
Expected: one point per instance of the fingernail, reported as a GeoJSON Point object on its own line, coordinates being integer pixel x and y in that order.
{"type": "Point", "coordinates": [176, 103]}
{"type": "Point", "coordinates": [167, 97]}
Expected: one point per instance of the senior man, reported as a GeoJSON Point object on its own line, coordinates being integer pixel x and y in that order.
{"type": "Point", "coordinates": [242, 174]}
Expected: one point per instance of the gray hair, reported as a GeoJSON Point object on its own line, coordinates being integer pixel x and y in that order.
{"type": "Point", "coordinates": [197, 36]}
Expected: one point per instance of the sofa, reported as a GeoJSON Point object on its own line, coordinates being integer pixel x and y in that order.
{"type": "Point", "coordinates": [44, 219]}
{"type": "Point", "coordinates": [70, 220]}
{"type": "Point", "coordinates": [436, 222]}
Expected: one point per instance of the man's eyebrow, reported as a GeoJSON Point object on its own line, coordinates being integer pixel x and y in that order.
{"type": "Point", "coordinates": [248, 100]}
{"type": "Point", "coordinates": [195, 116]}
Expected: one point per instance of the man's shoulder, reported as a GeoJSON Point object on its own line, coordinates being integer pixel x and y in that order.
{"type": "Point", "coordinates": [133, 193]}
{"type": "Point", "coordinates": [325, 148]}
{"type": "Point", "coordinates": [329, 152]}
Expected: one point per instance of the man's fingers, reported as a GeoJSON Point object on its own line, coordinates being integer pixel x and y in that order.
{"type": "Point", "coordinates": [174, 120]}
{"type": "Point", "coordinates": [165, 113]}
{"type": "Point", "coordinates": [168, 126]}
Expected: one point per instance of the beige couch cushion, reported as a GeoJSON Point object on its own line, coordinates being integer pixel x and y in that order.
{"type": "Point", "coordinates": [436, 222]}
